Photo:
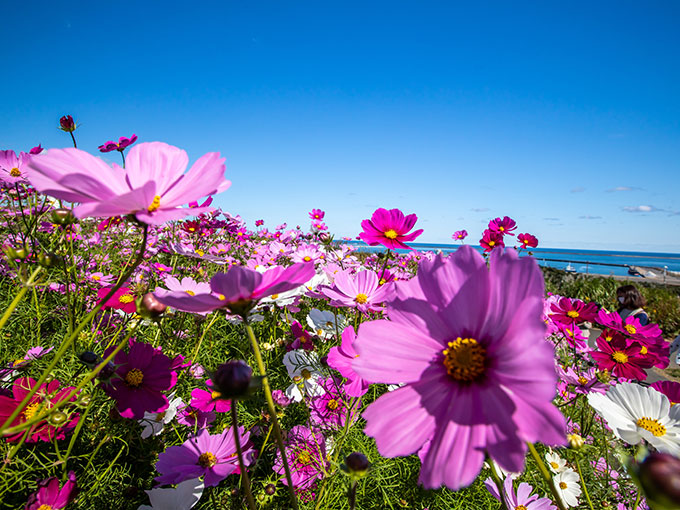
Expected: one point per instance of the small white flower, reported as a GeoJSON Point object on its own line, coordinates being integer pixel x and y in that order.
{"type": "Point", "coordinates": [634, 412]}
{"type": "Point", "coordinates": [567, 484]}
{"type": "Point", "coordinates": [323, 323]}
{"type": "Point", "coordinates": [154, 423]}
{"type": "Point", "coordinates": [304, 368]}
{"type": "Point", "coordinates": [556, 463]}
{"type": "Point", "coordinates": [182, 497]}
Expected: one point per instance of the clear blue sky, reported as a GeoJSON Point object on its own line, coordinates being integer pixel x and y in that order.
{"type": "Point", "coordinates": [563, 115]}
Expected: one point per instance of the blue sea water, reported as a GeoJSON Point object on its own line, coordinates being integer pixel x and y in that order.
{"type": "Point", "coordinates": [582, 261]}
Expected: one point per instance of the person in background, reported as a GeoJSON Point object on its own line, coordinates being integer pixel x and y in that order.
{"type": "Point", "coordinates": [631, 303]}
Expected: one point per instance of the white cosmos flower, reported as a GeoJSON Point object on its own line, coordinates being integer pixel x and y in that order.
{"type": "Point", "coordinates": [635, 412]}
{"type": "Point", "coordinates": [182, 497]}
{"type": "Point", "coordinates": [154, 423]}
{"type": "Point", "coordinates": [557, 464]}
{"type": "Point", "coordinates": [567, 484]}
{"type": "Point", "coordinates": [323, 323]}
{"type": "Point", "coordinates": [303, 367]}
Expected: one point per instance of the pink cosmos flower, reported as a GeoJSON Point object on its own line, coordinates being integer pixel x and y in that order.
{"type": "Point", "coordinates": [669, 388]}
{"type": "Point", "coordinates": [522, 499]}
{"type": "Point", "coordinates": [212, 456]}
{"type": "Point", "coordinates": [123, 299]}
{"type": "Point", "coordinates": [306, 455]}
{"type": "Point", "coordinates": [468, 342]}
{"type": "Point", "coordinates": [316, 214]}
{"type": "Point", "coordinates": [143, 374]}
{"type": "Point", "coordinates": [206, 401]}
{"type": "Point", "coordinates": [194, 418]}
{"type": "Point", "coordinates": [47, 395]}
{"type": "Point", "coordinates": [36, 150]}
{"type": "Point", "coordinates": [572, 311]}
{"type": "Point", "coordinates": [491, 240]}
{"type": "Point", "coordinates": [152, 186]}
{"type": "Point", "coordinates": [50, 497]}
{"type": "Point", "coordinates": [459, 235]}
{"type": "Point", "coordinates": [389, 228]}
{"type": "Point", "coordinates": [12, 167]}
{"type": "Point", "coordinates": [584, 382]}
{"type": "Point", "coordinates": [527, 241]}
{"type": "Point", "coordinates": [361, 291]}
{"type": "Point", "coordinates": [620, 357]}
{"type": "Point", "coordinates": [328, 411]}
{"type": "Point", "coordinates": [240, 288]}
{"type": "Point", "coordinates": [259, 223]}
{"type": "Point", "coordinates": [630, 326]}
{"type": "Point", "coordinates": [123, 143]}
{"type": "Point", "coordinates": [503, 226]}
{"type": "Point", "coordinates": [340, 358]}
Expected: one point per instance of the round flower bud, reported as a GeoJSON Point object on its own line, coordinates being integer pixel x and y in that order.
{"type": "Point", "coordinates": [16, 253]}
{"type": "Point", "coordinates": [270, 489]}
{"type": "Point", "coordinates": [57, 418]}
{"type": "Point", "coordinates": [67, 124]}
{"type": "Point", "coordinates": [659, 475]}
{"type": "Point", "coordinates": [89, 359]}
{"type": "Point", "coordinates": [575, 441]}
{"type": "Point", "coordinates": [62, 217]}
{"type": "Point", "coordinates": [50, 260]}
{"type": "Point", "coordinates": [325, 237]}
{"type": "Point", "coordinates": [107, 371]}
{"type": "Point", "coordinates": [148, 306]}
{"type": "Point", "coordinates": [357, 464]}
{"type": "Point", "coordinates": [232, 379]}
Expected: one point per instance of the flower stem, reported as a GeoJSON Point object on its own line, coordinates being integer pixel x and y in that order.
{"type": "Point", "coordinates": [74, 140]}
{"type": "Point", "coordinates": [241, 464]}
{"type": "Point", "coordinates": [272, 412]}
{"type": "Point", "coordinates": [497, 481]}
{"type": "Point", "coordinates": [18, 297]}
{"type": "Point", "coordinates": [583, 484]}
{"type": "Point", "coordinates": [546, 476]}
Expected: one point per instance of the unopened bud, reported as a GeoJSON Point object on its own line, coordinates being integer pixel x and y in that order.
{"type": "Point", "coordinates": [148, 306]}
{"type": "Point", "coordinates": [16, 254]}
{"type": "Point", "coordinates": [57, 418]}
{"type": "Point", "coordinates": [357, 464]}
{"type": "Point", "coordinates": [325, 237]}
{"type": "Point", "coordinates": [576, 442]}
{"type": "Point", "coordinates": [233, 379]}
{"type": "Point", "coordinates": [50, 260]}
{"type": "Point", "coordinates": [270, 489]}
{"type": "Point", "coordinates": [659, 475]}
{"type": "Point", "coordinates": [67, 124]}
{"type": "Point", "coordinates": [62, 217]}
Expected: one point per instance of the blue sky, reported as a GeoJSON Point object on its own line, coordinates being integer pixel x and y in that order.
{"type": "Point", "coordinates": [564, 116]}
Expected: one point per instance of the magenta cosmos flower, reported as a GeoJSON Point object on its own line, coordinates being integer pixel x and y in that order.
{"type": "Point", "coordinates": [572, 311]}
{"type": "Point", "coordinates": [143, 374]}
{"type": "Point", "coordinates": [503, 226]}
{"type": "Point", "coordinates": [361, 291]}
{"type": "Point", "coordinates": [527, 241]}
{"type": "Point", "coordinates": [240, 288]}
{"type": "Point", "coordinates": [123, 143]}
{"type": "Point", "coordinates": [152, 185]}
{"type": "Point", "coordinates": [459, 235]}
{"type": "Point", "coordinates": [50, 497]}
{"type": "Point", "coordinates": [621, 357]}
{"type": "Point", "coordinates": [490, 240]}
{"type": "Point", "coordinates": [306, 455]}
{"type": "Point", "coordinates": [389, 228]}
{"type": "Point", "coordinates": [340, 358]}
{"type": "Point", "coordinates": [213, 457]}
{"type": "Point", "coordinates": [123, 299]}
{"type": "Point", "coordinates": [468, 342]}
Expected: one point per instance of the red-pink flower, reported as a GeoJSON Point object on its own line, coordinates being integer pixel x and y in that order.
{"type": "Point", "coordinates": [572, 311]}
{"type": "Point", "coordinates": [503, 226]}
{"type": "Point", "coordinates": [389, 228]}
{"type": "Point", "coordinates": [123, 299]}
{"type": "Point", "coordinates": [620, 357]}
{"type": "Point", "coordinates": [50, 497]}
{"type": "Point", "coordinates": [123, 143]}
{"type": "Point", "coordinates": [459, 235]}
{"type": "Point", "coordinates": [527, 241]}
{"type": "Point", "coordinates": [491, 240]}
{"type": "Point", "coordinates": [317, 214]}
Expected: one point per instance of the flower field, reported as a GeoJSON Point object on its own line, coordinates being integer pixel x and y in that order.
{"type": "Point", "coordinates": [158, 352]}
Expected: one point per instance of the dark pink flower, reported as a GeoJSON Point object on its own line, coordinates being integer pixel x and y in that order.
{"type": "Point", "coordinates": [316, 214]}
{"type": "Point", "coordinates": [207, 401]}
{"type": "Point", "coordinates": [620, 358]}
{"type": "Point", "coordinates": [361, 291]}
{"type": "Point", "coordinates": [123, 299]}
{"type": "Point", "coordinates": [572, 311]}
{"type": "Point", "coordinates": [491, 240]}
{"type": "Point", "coordinates": [67, 124]}
{"type": "Point", "coordinates": [389, 228]}
{"type": "Point", "coordinates": [50, 497]}
{"type": "Point", "coordinates": [503, 226]}
{"type": "Point", "coordinates": [123, 143]}
{"type": "Point", "coordinates": [306, 455]}
{"type": "Point", "coordinates": [36, 150]}
{"type": "Point", "coordinates": [143, 375]}
{"type": "Point", "coordinates": [459, 235]}
{"type": "Point", "coordinates": [527, 241]}
{"type": "Point", "coordinates": [329, 410]}
{"type": "Point", "coordinates": [340, 358]}
{"type": "Point", "coordinates": [669, 388]}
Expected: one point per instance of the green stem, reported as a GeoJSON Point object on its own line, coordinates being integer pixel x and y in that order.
{"type": "Point", "coordinates": [65, 345]}
{"type": "Point", "coordinates": [200, 340]}
{"type": "Point", "coordinates": [19, 297]}
{"type": "Point", "coordinates": [241, 464]}
{"type": "Point", "coordinates": [583, 484]}
{"type": "Point", "coordinates": [546, 476]}
{"type": "Point", "coordinates": [272, 411]}
{"type": "Point", "coordinates": [499, 484]}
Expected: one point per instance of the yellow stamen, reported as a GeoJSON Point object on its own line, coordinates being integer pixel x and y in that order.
{"type": "Point", "coordinates": [134, 378]}
{"type": "Point", "coordinates": [333, 404]}
{"type": "Point", "coordinates": [465, 359]}
{"type": "Point", "coordinates": [304, 458]}
{"type": "Point", "coordinates": [572, 313]}
{"type": "Point", "coordinates": [190, 292]}
{"type": "Point", "coordinates": [630, 328]}
{"type": "Point", "coordinates": [307, 258]}
{"type": "Point", "coordinates": [643, 350]}
{"type": "Point", "coordinates": [126, 298]}
{"type": "Point", "coordinates": [652, 425]}
{"type": "Point", "coordinates": [15, 172]}
{"type": "Point", "coordinates": [45, 507]}
{"type": "Point", "coordinates": [554, 465]}
{"type": "Point", "coordinates": [215, 394]}
{"type": "Point", "coordinates": [306, 373]}
{"type": "Point", "coordinates": [18, 362]}
{"type": "Point", "coordinates": [207, 460]}
{"type": "Point", "coordinates": [155, 204]}
{"type": "Point", "coordinates": [620, 357]}
{"type": "Point", "coordinates": [582, 380]}
{"type": "Point", "coordinates": [391, 234]}
{"type": "Point", "coordinates": [361, 298]}
{"type": "Point", "coordinates": [30, 410]}
{"type": "Point", "coordinates": [563, 485]}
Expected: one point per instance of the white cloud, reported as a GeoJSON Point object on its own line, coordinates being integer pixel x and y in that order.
{"type": "Point", "coordinates": [641, 208]}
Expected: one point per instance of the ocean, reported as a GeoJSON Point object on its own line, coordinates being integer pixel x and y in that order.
{"type": "Point", "coordinates": [582, 261]}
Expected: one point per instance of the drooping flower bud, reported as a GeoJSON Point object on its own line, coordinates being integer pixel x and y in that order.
{"type": "Point", "coordinates": [148, 306]}
{"type": "Point", "coordinates": [62, 216]}
{"type": "Point", "coordinates": [67, 124]}
{"type": "Point", "coordinates": [233, 379]}
{"type": "Point", "coordinates": [356, 465]}
{"type": "Point", "coordinates": [659, 475]}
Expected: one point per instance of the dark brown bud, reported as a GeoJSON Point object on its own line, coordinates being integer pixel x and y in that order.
{"type": "Point", "coordinates": [659, 475]}
{"type": "Point", "coordinates": [148, 306]}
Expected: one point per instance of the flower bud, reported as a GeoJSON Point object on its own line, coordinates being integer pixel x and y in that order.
{"type": "Point", "coordinates": [89, 359]}
{"type": "Point", "coordinates": [62, 216]}
{"type": "Point", "coordinates": [16, 254]}
{"type": "Point", "coordinates": [659, 475]}
{"type": "Point", "coordinates": [67, 124]}
{"type": "Point", "coordinates": [148, 306]}
{"type": "Point", "coordinates": [270, 489]}
{"type": "Point", "coordinates": [57, 418]}
{"type": "Point", "coordinates": [576, 442]}
{"type": "Point", "coordinates": [50, 260]}
{"type": "Point", "coordinates": [233, 379]}
{"type": "Point", "coordinates": [357, 464]}
{"type": "Point", "coordinates": [325, 237]}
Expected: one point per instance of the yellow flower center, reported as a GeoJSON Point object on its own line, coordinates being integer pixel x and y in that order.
{"type": "Point", "coordinates": [304, 458]}
{"type": "Point", "coordinates": [643, 350]}
{"type": "Point", "coordinates": [96, 277]}
{"type": "Point", "coordinates": [630, 328]}
{"type": "Point", "coordinates": [465, 359]}
{"type": "Point", "coordinates": [620, 357]}
{"type": "Point", "coordinates": [382, 281]}
{"type": "Point", "coordinates": [190, 292]}
{"type": "Point", "coordinates": [563, 485]}
{"type": "Point", "coordinates": [18, 362]}
{"type": "Point", "coordinates": [333, 404]}
{"type": "Point", "coordinates": [305, 373]}
{"type": "Point", "coordinates": [274, 296]}
{"type": "Point", "coordinates": [307, 258]}
{"type": "Point", "coordinates": [15, 172]}
{"type": "Point", "coordinates": [199, 252]}
{"type": "Point", "coordinates": [134, 377]}
{"type": "Point", "coordinates": [520, 507]}
{"type": "Point", "coordinates": [572, 313]}
{"type": "Point", "coordinates": [554, 465]}
{"type": "Point", "coordinates": [491, 243]}
{"type": "Point", "coordinates": [155, 204]}
{"type": "Point", "coordinates": [30, 410]}
{"type": "Point", "coordinates": [582, 380]}
{"type": "Point", "coordinates": [391, 234]}
{"type": "Point", "coordinates": [45, 507]}
{"type": "Point", "coordinates": [126, 298]}
{"type": "Point", "coordinates": [501, 229]}
{"type": "Point", "coordinates": [215, 394]}
{"type": "Point", "coordinates": [652, 425]}
{"type": "Point", "coordinates": [207, 460]}
{"type": "Point", "coordinates": [361, 298]}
